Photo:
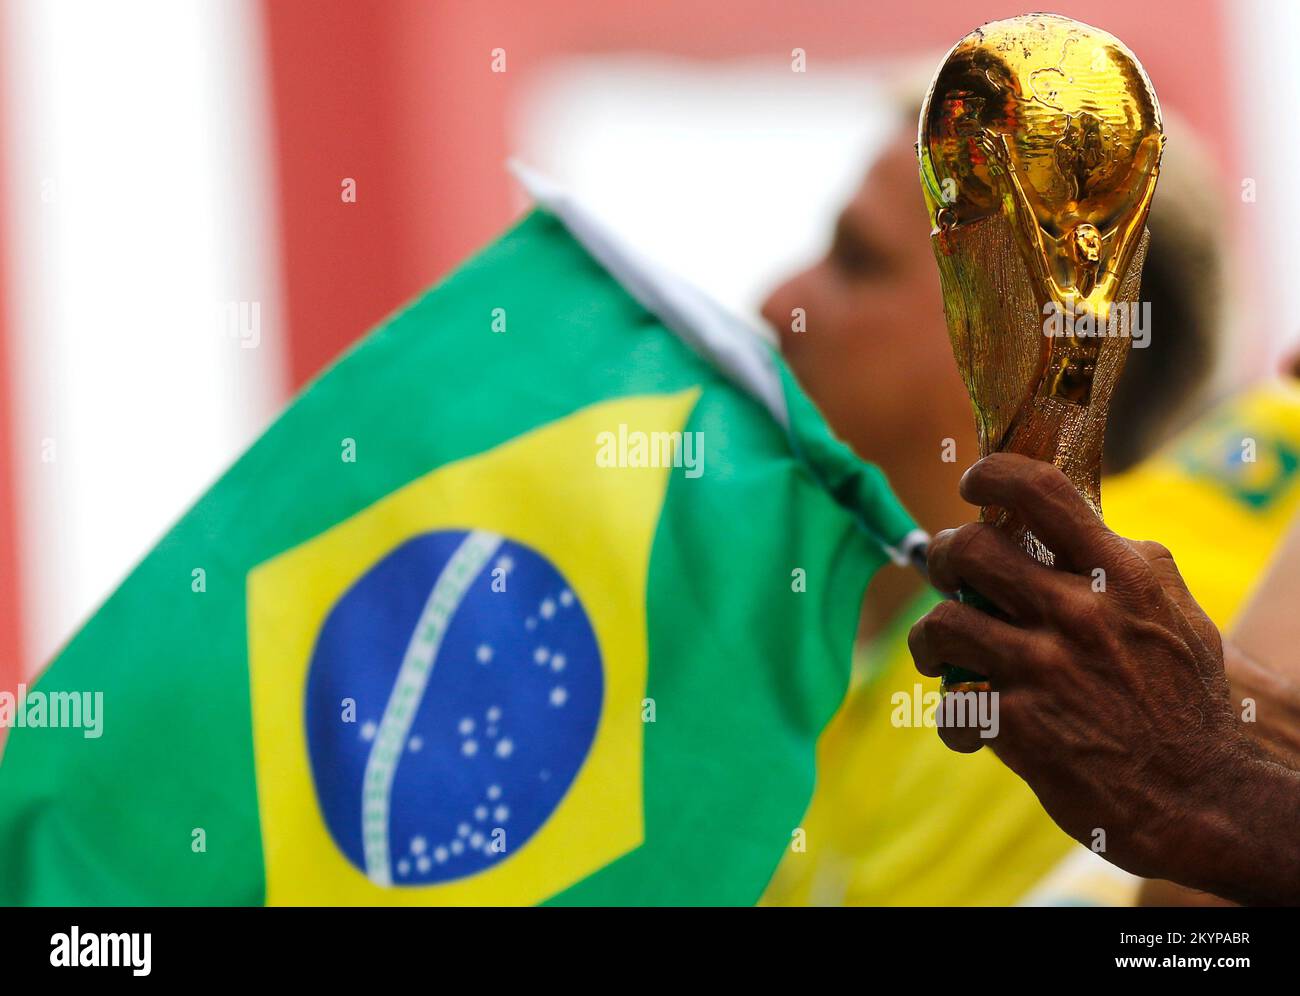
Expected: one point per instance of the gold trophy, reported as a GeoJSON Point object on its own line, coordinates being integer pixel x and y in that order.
{"type": "Point", "coordinates": [1039, 147]}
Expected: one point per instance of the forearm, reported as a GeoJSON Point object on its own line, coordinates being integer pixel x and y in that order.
{"type": "Point", "coordinates": [1243, 839]}
{"type": "Point", "coordinates": [1262, 662]}
{"type": "Point", "coordinates": [1266, 701]}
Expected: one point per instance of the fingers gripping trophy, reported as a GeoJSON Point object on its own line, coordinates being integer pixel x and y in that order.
{"type": "Point", "coordinates": [1039, 147]}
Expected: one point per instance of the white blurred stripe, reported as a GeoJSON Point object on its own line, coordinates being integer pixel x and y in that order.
{"type": "Point", "coordinates": [138, 201]}
{"type": "Point", "coordinates": [1261, 50]}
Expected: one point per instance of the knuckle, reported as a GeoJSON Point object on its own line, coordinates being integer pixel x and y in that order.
{"type": "Point", "coordinates": [1051, 489]}
{"type": "Point", "coordinates": [936, 558]}
{"type": "Point", "coordinates": [958, 549]}
{"type": "Point", "coordinates": [1048, 479]}
{"type": "Point", "coordinates": [938, 544]}
{"type": "Point", "coordinates": [1146, 585]}
{"type": "Point", "coordinates": [939, 622]}
{"type": "Point", "coordinates": [967, 540]}
{"type": "Point", "coordinates": [1153, 550]}
{"type": "Point", "coordinates": [916, 637]}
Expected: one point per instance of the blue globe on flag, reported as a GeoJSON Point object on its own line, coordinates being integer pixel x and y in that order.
{"type": "Point", "coordinates": [477, 682]}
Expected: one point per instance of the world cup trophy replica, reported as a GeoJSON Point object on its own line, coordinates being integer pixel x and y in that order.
{"type": "Point", "coordinates": [1039, 147]}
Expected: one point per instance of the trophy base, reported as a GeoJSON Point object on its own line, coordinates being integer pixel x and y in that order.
{"type": "Point", "coordinates": [959, 679]}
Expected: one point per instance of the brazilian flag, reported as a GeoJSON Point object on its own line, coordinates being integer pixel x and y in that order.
{"type": "Point", "coordinates": [542, 593]}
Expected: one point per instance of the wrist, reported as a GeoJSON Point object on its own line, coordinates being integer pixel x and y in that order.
{"type": "Point", "coordinates": [1241, 842]}
{"type": "Point", "coordinates": [1266, 701]}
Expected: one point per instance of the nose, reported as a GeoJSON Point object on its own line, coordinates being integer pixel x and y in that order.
{"type": "Point", "coordinates": [776, 310]}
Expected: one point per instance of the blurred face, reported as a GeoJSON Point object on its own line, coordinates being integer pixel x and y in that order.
{"type": "Point", "coordinates": [874, 354]}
